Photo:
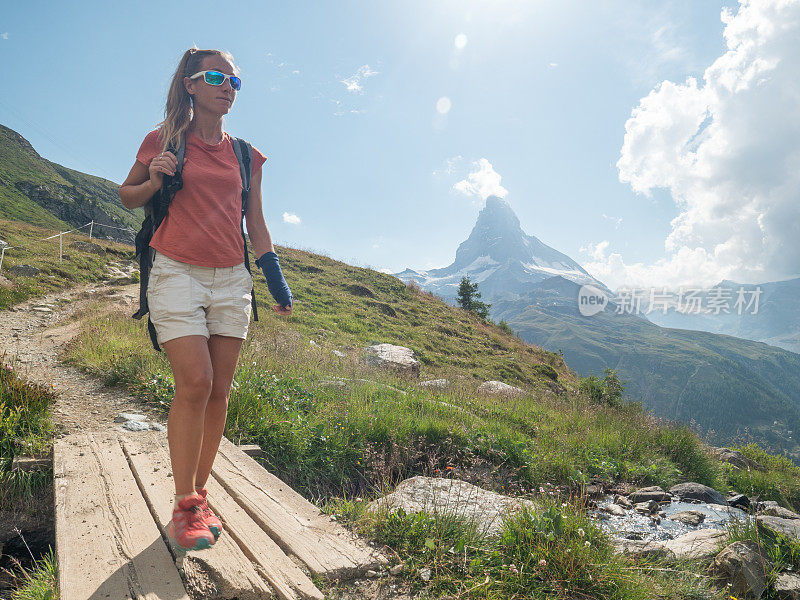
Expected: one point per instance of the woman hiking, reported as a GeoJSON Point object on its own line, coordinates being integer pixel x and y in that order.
{"type": "Point", "coordinates": [199, 290]}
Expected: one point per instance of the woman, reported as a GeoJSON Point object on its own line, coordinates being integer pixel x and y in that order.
{"type": "Point", "coordinates": [199, 288]}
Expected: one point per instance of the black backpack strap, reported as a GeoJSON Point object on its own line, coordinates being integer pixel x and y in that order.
{"type": "Point", "coordinates": [244, 154]}
{"type": "Point", "coordinates": [155, 210]}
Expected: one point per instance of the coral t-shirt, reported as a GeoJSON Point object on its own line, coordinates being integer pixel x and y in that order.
{"type": "Point", "coordinates": [203, 223]}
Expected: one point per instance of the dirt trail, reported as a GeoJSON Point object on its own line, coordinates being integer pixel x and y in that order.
{"type": "Point", "coordinates": [33, 334]}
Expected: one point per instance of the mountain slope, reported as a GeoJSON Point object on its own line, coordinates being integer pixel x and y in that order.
{"type": "Point", "coordinates": [40, 192]}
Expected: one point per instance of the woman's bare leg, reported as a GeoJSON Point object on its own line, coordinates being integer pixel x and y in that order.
{"type": "Point", "coordinates": [193, 373]}
{"type": "Point", "coordinates": [224, 353]}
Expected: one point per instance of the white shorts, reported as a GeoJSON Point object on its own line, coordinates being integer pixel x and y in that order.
{"type": "Point", "coordinates": [187, 299]}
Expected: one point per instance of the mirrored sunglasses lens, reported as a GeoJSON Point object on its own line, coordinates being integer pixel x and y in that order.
{"type": "Point", "coordinates": [214, 78]}
{"type": "Point", "coordinates": [236, 83]}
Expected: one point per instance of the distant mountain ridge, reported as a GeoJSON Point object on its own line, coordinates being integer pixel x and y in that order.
{"type": "Point", "coordinates": [40, 192]}
{"type": "Point", "coordinates": [725, 385]}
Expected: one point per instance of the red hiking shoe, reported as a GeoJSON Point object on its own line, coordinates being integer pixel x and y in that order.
{"type": "Point", "coordinates": [187, 530]}
{"type": "Point", "coordinates": [211, 520]}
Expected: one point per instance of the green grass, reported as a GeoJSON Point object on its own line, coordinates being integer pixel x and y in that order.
{"type": "Point", "coordinates": [38, 583]}
{"type": "Point", "coordinates": [28, 248]}
{"type": "Point", "coordinates": [25, 429]}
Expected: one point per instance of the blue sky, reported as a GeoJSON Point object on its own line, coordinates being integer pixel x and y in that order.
{"type": "Point", "coordinates": [342, 98]}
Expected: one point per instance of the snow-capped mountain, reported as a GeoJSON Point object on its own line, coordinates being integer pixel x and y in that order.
{"type": "Point", "coordinates": [501, 258]}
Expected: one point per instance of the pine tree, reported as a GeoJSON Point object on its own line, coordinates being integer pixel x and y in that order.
{"type": "Point", "coordinates": [467, 298]}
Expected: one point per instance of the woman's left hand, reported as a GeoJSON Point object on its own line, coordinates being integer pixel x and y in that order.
{"type": "Point", "coordinates": [282, 311]}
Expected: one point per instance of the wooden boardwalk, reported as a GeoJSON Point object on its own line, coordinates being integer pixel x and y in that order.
{"type": "Point", "coordinates": [113, 500]}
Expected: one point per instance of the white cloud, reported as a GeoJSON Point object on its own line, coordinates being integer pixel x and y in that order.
{"type": "Point", "coordinates": [4, 35]}
{"type": "Point", "coordinates": [443, 105]}
{"type": "Point", "coordinates": [553, 65]}
{"type": "Point", "coordinates": [353, 83]}
{"type": "Point", "coordinates": [727, 149]}
{"type": "Point", "coordinates": [460, 41]}
{"type": "Point", "coordinates": [291, 218]}
{"type": "Point", "coordinates": [386, 270]}
{"type": "Point", "coordinates": [483, 182]}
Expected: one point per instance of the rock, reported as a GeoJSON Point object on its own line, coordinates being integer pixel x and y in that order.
{"type": "Point", "coordinates": [371, 574]}
{"type": "Point", "coordinates": [741, 564]}
{"type": "Point", "coordinates": [697, 544]}
{"type": "Point", "coordinates": [23, 271]}
{"type": "Point", "coordinates": [739, 501]}
{"type": "Point", "coordinates": [339, 354]}
{"type": "Point", "coordinates": [697, 491]}
{"type": "Point", "coordinates": [396, 358]}
{"type": "Point", "coordinates": [688, 517]}
{"type": "Point", "coordinates": [650, 549]}
{"type": "Point", "coordinates": [648, 493]}
{"type": "Point", "coordinates": [622, 501]}
{"type": "Point", "coordinates": [787, 586]}
{"type": "Point", "coordinates": [778, 511]}
{"type": "Point", "coordinates": [438, 384]}
{"type": "Point", "coordinates": [88, 247]}
{"type": "Point", "coordinates": [646, 508]}
{"type": "Point", "coordinates": [778, 526]}
{"type": "Point", "coordinates": [157, 427]}
{"type": "Point", "coordinates": [135, 426]}
{"type": "Point", "coordinates": [498, 388]}
{"type": "Point", "coordinates": [43, 310]}
{"type": "Point", "coordinates": [396, 569]}
{"type": "Point", "coordinates": [437, 495]}
{"type": "Point", "coordinates": [123, 417]}
{"type": "Point", "coordinates": [737, 459]}
{"type": "Point", "coordinates": [614, 509]}
{"type": "Point", "coordinates": [593, 490]}
{"type": "Point", "coordinates": [425, 573]}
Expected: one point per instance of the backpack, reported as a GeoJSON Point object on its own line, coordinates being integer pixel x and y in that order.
{"type": "Point", "coordinates": [156, 209]}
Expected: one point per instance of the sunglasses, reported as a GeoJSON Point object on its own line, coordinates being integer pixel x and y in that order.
{"type": "Point", "coordinates": [217, 78]}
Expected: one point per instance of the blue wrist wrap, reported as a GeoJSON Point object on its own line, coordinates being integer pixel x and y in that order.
{"type": "Point", "coordinates": [268, 263]}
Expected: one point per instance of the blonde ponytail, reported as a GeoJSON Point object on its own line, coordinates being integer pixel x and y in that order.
{"type": "Point", "coordinates": [178, 112]}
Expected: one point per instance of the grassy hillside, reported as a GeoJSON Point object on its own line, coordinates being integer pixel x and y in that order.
{"type": "Point", "coordinates": [28, 247]}
{"type": "Point", "coordinates": [40, 192]}
{"type": "Point", "coordinates": [731, 388]}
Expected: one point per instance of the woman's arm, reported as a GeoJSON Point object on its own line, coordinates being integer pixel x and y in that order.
{"type": "Point", "coordinates": [256, 226]}
{"type": "Point", "coordinates": [262, 243]}
{"type": "Point", "coordinates": [138, 188]}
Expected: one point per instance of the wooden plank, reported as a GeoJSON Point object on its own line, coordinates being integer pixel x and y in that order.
{"type": "Point", "coordinates": [222, 571]}
{"type": "Point", "coordinates": [300, 528]}
{"type": "Point", "coordinates": [108, 545]}
{"type": "Point", "coordinates": [284, 575]}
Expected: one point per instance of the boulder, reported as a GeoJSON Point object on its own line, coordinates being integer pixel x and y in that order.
{"type": "Point", "coordinates": [787, 586]}
{"type": "Point", "coordinates": [697, 544]}
{"type": "Point", "coordinates": [777, 526]}
{"type": "Point", "coordinates": [646, 508]}
{"type": "Point", "coordinates": [614, 509]}
{"type": "Point", "coordinates": [739, 501]}
{"type": "Point", "coordinates": [778, 511]}
{"type": "Point", "coordinates": [395, 358]}
{"type": "Point", "coordinates": [498, 388]}
{"type": "Point", "coordinates": [436, 384]}
{"type": "Point", "coordinates": [23, 271]}
{"type": "Point", "coordinates": [697, 491]}
{"type": "Point", "coordinates": [438, 495]}
{"type": "Point", "coordinates": [743, 565]}
{"type": "Point", "coordinates": [648, 493]}
{"type": "Point", "coordinates": [688, 517]}
{"type": "Point", "coordinates": [737, 459]}
{"type": "Point", "coordinates": [622, 501]}
{"type": "Point", "coordinates": [650, 549]}
{"type": "Point", "coordinates": [91, 247]}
